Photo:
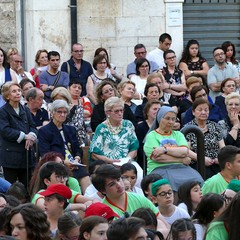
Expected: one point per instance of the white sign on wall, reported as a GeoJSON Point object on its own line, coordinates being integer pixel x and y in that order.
{"type": "Point", "coordinates": [174, 17]}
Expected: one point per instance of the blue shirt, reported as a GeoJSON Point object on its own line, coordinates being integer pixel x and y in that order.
{"type": "Point", "coordinates": [215, 114]}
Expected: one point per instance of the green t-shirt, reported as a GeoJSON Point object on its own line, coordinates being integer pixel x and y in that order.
{"type": "Point", "coordinates": [73, 184]}
{"type": "Point", "coordinates": [154, 140]}
{"type": "Point", "coordinates": [217, 231]}
{"type": "Point", "coordinates": [215, 184]}
{"type": "Point", "coordinates": [38, 196]}
{"type": "Point", "coordinates": [133, 202]}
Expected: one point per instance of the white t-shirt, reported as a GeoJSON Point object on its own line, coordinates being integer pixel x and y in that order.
{"type": "Point", "coordinates": [91, 192]}
{"type": "Point", "coordinates": [19, 78]}
{"type": "Point", "coordinates": [200, 229]}
{"type": "Point", "coordinates": [184, 206]}
{"type": "Point", "coordinates": [140, 83]}
{"type": "Point", "coordinates": [156, 55]}
{"type": "Point", "coordinates": [2, 77]}
{"type": "Point", "coordinates": [137, 190]}
{"type": "Point", "coordinates": [178, 213]}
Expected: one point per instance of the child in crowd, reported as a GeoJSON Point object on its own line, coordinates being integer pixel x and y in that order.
{"type": "Point", "coordinates": [56, 201]}
{"type": "Point", "coordinates": [146, 184]}
{"type": "Point", "coordinates": [182, 229]}
{"type": "Point", "coordinates": [68, 226]}
{"type": "Point", "coordinates": [189, 196]}
{"type": "Point", "coordinates": [210, 207]}
{"type": "Point", "coordinates": [163, 195]}
{"type": "Point", "coordinates": [129, 172]}
{"type": "Point", "coordinates": [93, 227]}
{"type": "Point", "coordinates": [91, 191]}
{"type": "Point", "coordinates": [127, 185]}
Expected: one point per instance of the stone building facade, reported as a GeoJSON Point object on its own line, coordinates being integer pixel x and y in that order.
{"type": "Point", "coordinates": [117, 25]}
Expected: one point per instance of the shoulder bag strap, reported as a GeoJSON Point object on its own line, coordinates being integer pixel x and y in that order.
{"type": "Point", "coordinates": [57, 79]}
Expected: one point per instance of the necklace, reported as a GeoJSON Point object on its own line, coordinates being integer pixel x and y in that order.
{"type": "Point", "coordinates": [114, 130]}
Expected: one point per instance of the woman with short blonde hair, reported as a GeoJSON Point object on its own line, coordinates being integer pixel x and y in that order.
{"type": "Point", "coordinates": [127, 90]}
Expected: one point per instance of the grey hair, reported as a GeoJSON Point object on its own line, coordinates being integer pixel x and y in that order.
{"type": "Point", "coordinates": [6, 89]}
{"type": "Point", "coordinates": [59, 104]}
{"type": "Point", "coordinates": [31, 93]}
{"type": "Point", "coordinates": [231, 96]}
{"type": "Point", "coordinates": [111, 102]}
{"type": "Point", "coordinates": [63, 92]}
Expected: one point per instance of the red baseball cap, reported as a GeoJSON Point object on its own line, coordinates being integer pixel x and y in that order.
{"type": "Point", "coordinates": [60, 189]}
{"type": "Point", "coordinates": [100, 209]}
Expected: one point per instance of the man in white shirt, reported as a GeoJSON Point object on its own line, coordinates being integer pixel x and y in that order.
{"type": "Point", "coordinates": [156, 55]}
{"type": "Point", "coordinates": [17, 69]}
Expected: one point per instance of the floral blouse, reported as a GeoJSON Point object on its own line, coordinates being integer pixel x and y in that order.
{"type": "Point", "coordinates": [174, 78]}
{"type": "Point", "coordinates": [211, 139]}
{"type": "Point", "coordinates": [114, 146]}
{"type": "Point", "coordinates": [75, 118]}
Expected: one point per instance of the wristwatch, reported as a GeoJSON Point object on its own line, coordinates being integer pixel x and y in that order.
{"type": "Point", "coordinates": [23, 75]}
{"type": "Point", "coordinates": [48, 88]}
{"type": "Point", "coordinates": [192, 72]}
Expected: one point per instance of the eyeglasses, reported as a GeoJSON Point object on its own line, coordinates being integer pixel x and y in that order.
{"type": "Point", "coordinates": [219, 54]}
{"type": "Point", "coordinates": [108, 91]}
{"type": "Point", "coordinates": [61, 112]}
{"type": "Point", "coordinates": [78, 51]}
{"type": "Point", "coordinates": [61, 178]}
{"type": "Point", "coordinates": [117, 111]}
{"type": "Point", "coordinates": [16, 61]}
{"type": "Point", "coordinates": [171, 58]}
{"type": "Point", "coordinates": [164, 194]}
{"type": "Point", "coordinates": [203, 95]}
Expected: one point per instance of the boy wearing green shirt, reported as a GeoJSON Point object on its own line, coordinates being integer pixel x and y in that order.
{"type": "Point", "coordinates": [229, 162]}
{"type": "Point", "coordinates": [107, 180]}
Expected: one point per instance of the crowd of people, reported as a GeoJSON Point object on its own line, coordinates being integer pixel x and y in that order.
{"type": "Point", "coordinates": [89, 153]}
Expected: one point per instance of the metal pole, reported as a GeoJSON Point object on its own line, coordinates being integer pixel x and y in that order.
{"type": "Point", "coordinates": [22, 13]}
{"type": "Point", "coordinates": [200, 146]}
{"type": "Point", "coordinates": [73, 10]}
